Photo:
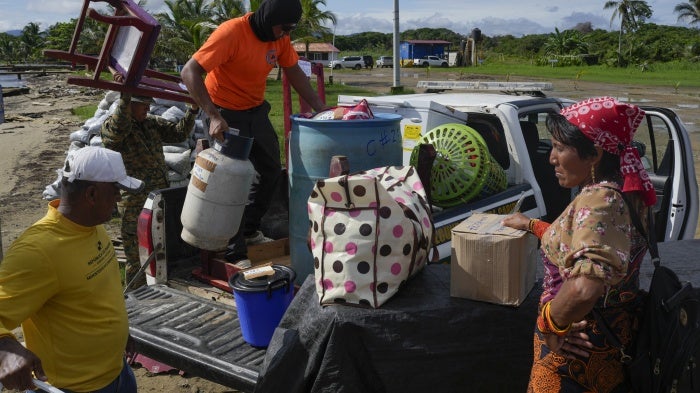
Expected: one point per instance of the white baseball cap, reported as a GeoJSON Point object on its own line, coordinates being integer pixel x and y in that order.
{"type": "Point", "coordinates": [93, 163]}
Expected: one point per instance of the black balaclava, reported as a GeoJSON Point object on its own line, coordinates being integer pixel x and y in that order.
{"type": "Point", "coordinates": [272, 13]}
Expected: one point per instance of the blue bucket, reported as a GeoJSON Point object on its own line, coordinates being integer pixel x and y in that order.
{"type": "Point", "coordinates": [367, 143]}
{"type": "Point", "coordinates": [261, 303]}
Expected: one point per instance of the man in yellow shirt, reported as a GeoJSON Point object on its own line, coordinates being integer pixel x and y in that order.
{"type": "Point", "coordinates": [60, 280]}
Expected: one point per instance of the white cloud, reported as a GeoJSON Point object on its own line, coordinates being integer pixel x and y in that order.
{"type": "Point", "coordinates": [516, 17]}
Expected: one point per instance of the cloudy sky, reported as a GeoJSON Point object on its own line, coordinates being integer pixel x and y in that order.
{"type": "Point", "coordinates": [517, 17]}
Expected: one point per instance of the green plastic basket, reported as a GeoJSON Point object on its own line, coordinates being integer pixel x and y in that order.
{"type": "Point", "coordinates": [495, 181]}
{"type": "Point", "coordinates": [462, 166]}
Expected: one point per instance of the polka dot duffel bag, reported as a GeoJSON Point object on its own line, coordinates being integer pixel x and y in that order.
{"type": "Point", "coordinates": [369, 233]}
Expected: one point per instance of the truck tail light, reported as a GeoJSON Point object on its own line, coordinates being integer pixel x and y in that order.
{"type": "Point", "coordinates": [145, 239]}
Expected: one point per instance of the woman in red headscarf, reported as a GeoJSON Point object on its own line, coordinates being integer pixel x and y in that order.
{"type": "Point", "coordinates": [592, 251]}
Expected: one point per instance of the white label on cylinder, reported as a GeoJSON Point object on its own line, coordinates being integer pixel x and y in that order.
{"type": "Point", "coordinates": [201, 173]}
{"type": "Point", "coordinates": [200, 178]}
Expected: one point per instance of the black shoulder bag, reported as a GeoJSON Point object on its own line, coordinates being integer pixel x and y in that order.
{"type": "Point", "coordinates": [665, 357]}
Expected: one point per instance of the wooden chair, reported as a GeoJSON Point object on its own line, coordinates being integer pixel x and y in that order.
{"type": "Point", "coordinates": [131, 37]}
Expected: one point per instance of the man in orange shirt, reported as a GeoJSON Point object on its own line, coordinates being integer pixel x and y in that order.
{"type": "Point", "coordinates": [237, 59]}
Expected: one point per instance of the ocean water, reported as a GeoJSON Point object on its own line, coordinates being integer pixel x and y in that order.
{"type": "Point", "coordinates": [10, 80]}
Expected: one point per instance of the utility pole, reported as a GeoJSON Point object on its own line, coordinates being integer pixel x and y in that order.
{"type": "Point", "coordinates": [397, 54]}
{"type": "Point", "coordinates": [333, 54]}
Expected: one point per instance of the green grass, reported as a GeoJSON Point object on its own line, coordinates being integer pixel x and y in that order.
{"type": "Point", "coordinates": [84, 112]}
{"type": "Point", "coordinates": [671, 74]}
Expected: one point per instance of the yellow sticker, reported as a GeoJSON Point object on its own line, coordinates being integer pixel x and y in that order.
{"type": "Point", "coordinates": [411, 131]}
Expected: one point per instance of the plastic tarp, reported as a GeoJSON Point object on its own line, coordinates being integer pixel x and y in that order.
{"type": "Point", "coordinates": [421, 340]}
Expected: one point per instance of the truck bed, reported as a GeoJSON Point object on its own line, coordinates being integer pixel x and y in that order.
{"type": "Point", "coordinates": [200, 336]}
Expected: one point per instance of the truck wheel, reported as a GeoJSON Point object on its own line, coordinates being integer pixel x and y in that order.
{"type": "Point", "coordinates": [336, 67]}
{"type": "Point", "coordinates": [357, 67]}
{"type": "Point", "coordinates": [425, 64]}
{"type": "Point", "coordinates": [443, 65]}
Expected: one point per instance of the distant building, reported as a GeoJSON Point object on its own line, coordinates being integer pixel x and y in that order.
{"type": "Point", "coordinates": [413, 49]}
{"type": "Point", "coordinates": [319, 52]}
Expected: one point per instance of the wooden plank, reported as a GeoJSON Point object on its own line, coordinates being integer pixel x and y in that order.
{"type": "Point", "coordinates": [285, 260]}
{"type": "Point", "coordinates": [203, 290]}
{"type": "Point", "coordinates": [263, 252]}
{"type": "Point", "coordinates": [14, 91]}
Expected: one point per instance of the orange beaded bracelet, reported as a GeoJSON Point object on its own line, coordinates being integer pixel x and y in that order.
{"type": "Point", "coordinates": [546, 325]}
{"type": "Point", "coordinates": [537, 227]}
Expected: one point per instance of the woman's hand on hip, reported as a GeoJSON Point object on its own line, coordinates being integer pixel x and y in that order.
{"type": "Point", "coordinates": [575, 344]}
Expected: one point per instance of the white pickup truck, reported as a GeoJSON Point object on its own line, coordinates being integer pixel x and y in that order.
{"type": "Point", "coordinates": [430, 61]}
{"type": "Point", "coordinates": [202, 337]}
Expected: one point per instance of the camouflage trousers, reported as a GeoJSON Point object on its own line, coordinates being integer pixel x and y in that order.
{"type": "Point", "coordinates": [129, 209]}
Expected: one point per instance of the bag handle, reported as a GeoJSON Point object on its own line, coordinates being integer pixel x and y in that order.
{"type": "Point", "coordinates": [653, 251]}
{"type": "Point", "coordinates": [424, 167]}
{"type": "Point", "coordinates": [346, 187]}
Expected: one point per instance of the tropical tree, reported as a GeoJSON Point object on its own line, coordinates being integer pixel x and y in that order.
{"type": "Point", "coordinates": [223, 10]}
{"type": "Point", "coordinates": [631, 13]}
{"type": "Point", "coordinates": [91, 36]}
{"type": "Point", "coordinates": [255, 4]}
{"type": "Point", "coordinates": [311, 25]}
{"type": "Point", "coordinates": [60, 35]}
{"type": "Point", "coordinates": [185, 27]}
{"type": "Point", "coordinates": [568, 42]}
{"type": "Point", "coordinates": [689, 11]}
{"type": "Point", "coordinates": [9, 51]}
{"type": "Point", "coordinates": [31, 41]}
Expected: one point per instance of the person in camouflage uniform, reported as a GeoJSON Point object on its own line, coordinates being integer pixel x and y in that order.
{"type": "Point", "coordinates": [139, 137]}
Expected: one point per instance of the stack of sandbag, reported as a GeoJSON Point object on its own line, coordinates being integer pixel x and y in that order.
{"type": "Point", "coordinates": [178, 157]}
{"type": "Point", "coordinates": [174, 111]}
{"type": "Point", "coordinates": [179, 166]}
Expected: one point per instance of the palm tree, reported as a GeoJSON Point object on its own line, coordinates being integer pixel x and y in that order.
{"type": "Point", "coordinates": [8, 48]}
{"type": "Point", "coordinates": [631, 14]}
{"type": "Point", "coordinates": [31, 41]}
{"type": "Point", "coordinates": [311, 26]}
{"type": "Point", "coordinates": [568, 42]}
{"type": "Point", "coordinates": [224, 10]}
{"type": "Point", "coordinates": [689, 11]}
{"type": "Point", "coordinates": [182, 10]}
{"type": "Point", "coordinates": [185, 27]}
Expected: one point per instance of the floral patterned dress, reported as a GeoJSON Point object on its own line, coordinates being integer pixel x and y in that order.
{"type": "Point", "coordinates": [594, 237]}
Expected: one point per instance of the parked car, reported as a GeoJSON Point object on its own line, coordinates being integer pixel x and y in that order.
{"type": "Point", "coordinates": [369, 61]}
{"type": "Point", "coordinates": [385, 61]}
{"type": "Point", "coordinates": [430, 61]}
{"type": "Point", "coordinates": [354, 62]}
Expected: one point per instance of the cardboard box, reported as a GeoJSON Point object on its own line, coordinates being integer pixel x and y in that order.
{"type": "Point", "coordinates": [490, 262]}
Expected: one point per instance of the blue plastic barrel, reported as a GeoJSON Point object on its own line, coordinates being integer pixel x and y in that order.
{"type": "Point", "coordinates": [368, 143]}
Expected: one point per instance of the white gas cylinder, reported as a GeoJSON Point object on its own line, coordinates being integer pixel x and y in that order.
{"type": "Point", "coordinates": [217, 193]}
